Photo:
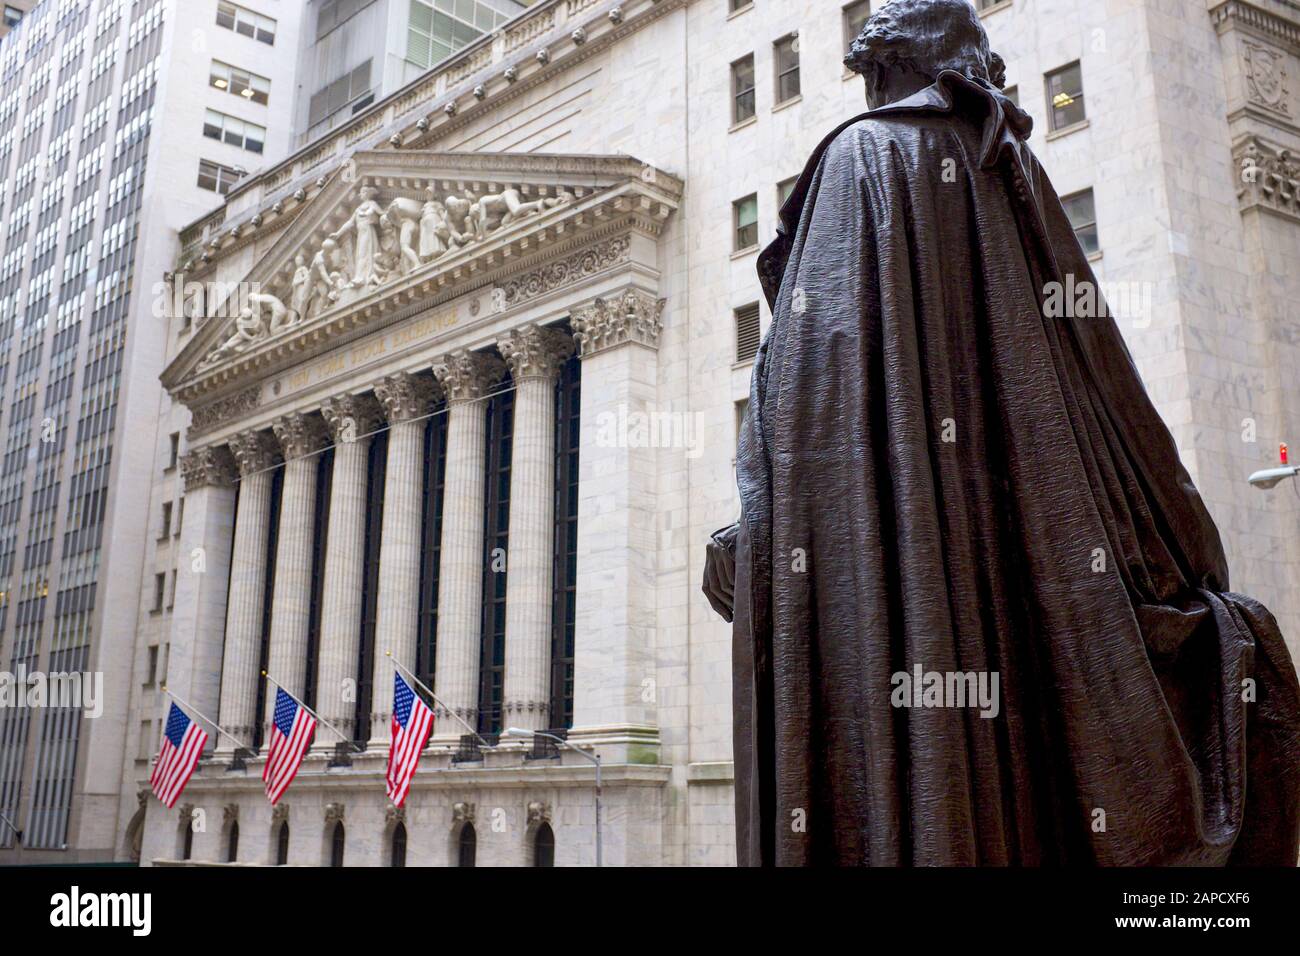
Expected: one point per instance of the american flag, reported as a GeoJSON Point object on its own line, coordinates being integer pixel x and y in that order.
{"type": "Point", "coordinates": [291, 731]}
{"type": "Point", "coordinates": [412, 721]}
{"type": "Point", "coordinates": [182, 744]}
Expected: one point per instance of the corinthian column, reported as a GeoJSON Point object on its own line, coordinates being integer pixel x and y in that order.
{"type": "Point", "coordinates": [405, 400]}
{"type": "Point", "coordinates": [534, 355]}
{"type": "Point", "coordinates": [352, 420]}
{"type": "Point", "coordinates": [466, 377]}
{"type": "Point", "coordinates": [199, 617]}
{"type": "Point", "coordinates": [255, 454]}
{"type": "Point", "coordinates": [619, 339]}
{"type": "Point", "coordinates": [301, 437]}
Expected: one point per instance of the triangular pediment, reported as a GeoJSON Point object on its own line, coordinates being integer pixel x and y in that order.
{"type": "Point", "coordinates": [390, 227]}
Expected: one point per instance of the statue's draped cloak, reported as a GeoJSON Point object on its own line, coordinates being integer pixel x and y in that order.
{"type": "Point", "coordinates": [934, 474]}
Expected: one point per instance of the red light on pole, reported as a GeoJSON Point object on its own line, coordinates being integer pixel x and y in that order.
{"type": "Point", "coordinates": [1282, 453]}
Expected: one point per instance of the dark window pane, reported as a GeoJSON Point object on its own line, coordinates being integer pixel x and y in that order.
{"type": "Point", "coordinates": [1065, 96]}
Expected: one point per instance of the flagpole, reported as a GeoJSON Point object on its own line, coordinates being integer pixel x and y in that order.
{"type": "Point", "coordinates": [425, 687]}
{"type": "Point", "coordinates": [319, 719]}
{"type": "Point", "coordinates": [221, 730]}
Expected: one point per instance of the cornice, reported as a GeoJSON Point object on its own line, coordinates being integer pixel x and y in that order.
{"type": "Point", "coordinates": [1231, 13]}
{"type": "Point", "coordinates": [586, 27]}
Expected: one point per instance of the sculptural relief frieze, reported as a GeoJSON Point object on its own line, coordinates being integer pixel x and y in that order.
{"type": "Point", "coordinates": [381, 240]}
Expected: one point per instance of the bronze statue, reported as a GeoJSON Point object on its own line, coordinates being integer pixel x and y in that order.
{"type": "Point", "coordinates": [982, 615]}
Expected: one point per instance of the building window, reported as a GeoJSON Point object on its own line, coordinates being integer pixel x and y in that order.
{"type": "Point", "coordinates": [320, 545]}
{"type": "Point", "coordinates": [787, 68]}
{"type": "Point", "coordinates": [1081, 210]}
{"type": "Point", "coordinates": [236, 132]}
{"type": "Point", "coordinates": [1065, 96]}
{"type": "Point", "coordinates": [12, 16]}
{"type": "Point", "coordinates": [246, 22]}
{"type": "Point", "coordinates": [564, 610]}
{"type": "Point", "coordinates": [334, 12]}
{"type": "Point", "coordinates": [240, 82]}
{"type": "Point", "coordinates": [989, 4]}
{"type": "Point", "coordinates": [159, 590]}
{"type": "Point", "coordinates": [855, 18]}
{"type": "Point", "coordinates": [172, 601]}
{"type": "Point", "coordinates": [496, 540]}
{"type": "Point", "coordinates": [742, 89]}
{"type": "Point", "coordinates": [397, 856]}
{"type": "Point", "coordinates": [282, 845]}
{"type": "Point", "coordinates": [544, 846]}
{"type": "Point", "coordinates": [735, 6]}
{"type": "Point", "coordinates": [336, 844]}
{"type": "Point", "coordinates": [166, 520]}
{"type": "Point", "coordinates": [232, 842]}
{"type": "Point", "coordinates": [268, 592]}
{"type": "Point", "coordinates": [434, 481]}
{"type": "Point", "coordinates": [217, 178]}
{"type": "Point", "coordinates": [747, 332]}
{"type": "Point", "coordinates": [1013, 94]}
{"type": "Point", "coordinates": [745, 220]}
{"type": "Point", "coordinates": [467, 845]}
{"type": "Point", "coordinates": [174, 451]}
{"type": "Point", "coordinates": [784, 189]}
{"type": "Point", "coordinates": [438, 28]}
{"type": "Point", "coordinates": [376, 471]}
{"type": "Point", "coordinates": [180, 516]}
{"type": "Point", "coordinates": [352, 89]}
{"type": "Point", "coordinates": [152, 675]}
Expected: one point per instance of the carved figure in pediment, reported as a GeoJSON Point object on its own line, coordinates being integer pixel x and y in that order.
{"type": "Point", "coordinates": [407, 215]}
{"type": "Point", "coordinates": [249, 327]}
{"type": "Point", "coordinates": [280, 319]}
{"type": "Point", "coordinates": [460, 217]}
{"type": "Point", "coordinates": [300, 285]}
{"type": "Point", "coordinates": [363, 228]}
{"type": "Point", "coordinates": [326, 278]}
{"type": "Point", "coordinates": [388, 260]}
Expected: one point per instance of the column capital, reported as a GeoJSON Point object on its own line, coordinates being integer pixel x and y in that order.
{"type": "Point", "coordinates": [405, 396]}
{"type": "Point", "coordinates": [466, 375]}
{"type": "Point", "coordinates": [299, 434]}
{"type": "Point", "coordinates": [254, 451]}
{"type": "Point", "coordinates": [533, 351]}
{"type": "Point", "coordinates": [633, 315]}
{"type": "Point", "coordinates": [213, 466]}
{"type": "Point", "coordinates": [350, 417]}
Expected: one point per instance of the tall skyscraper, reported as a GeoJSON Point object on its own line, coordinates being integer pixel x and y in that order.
{"type": "Point", "coordinates": [119, 122]}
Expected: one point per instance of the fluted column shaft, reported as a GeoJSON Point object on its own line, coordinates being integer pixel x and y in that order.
{"type": "Point", "coordinates": [534, 355]}
{"type": "Point", "coordinates": [405, 399]}
{"type": "Point", "coordinates": [466, 377]}
{"type": "Point", "coordinates": [203, 578]}
{"type": "Point", "coordinates": [255, 454]}
{"type": "Point", "coordinates": [301, 439]}
{"type": "Point", "coordinates": [352, 420]}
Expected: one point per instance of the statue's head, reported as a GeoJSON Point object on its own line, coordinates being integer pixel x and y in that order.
{"type": "Point", "coordinates": [369, 193]}
{"type": "Point", "coordinates": [906, 44]}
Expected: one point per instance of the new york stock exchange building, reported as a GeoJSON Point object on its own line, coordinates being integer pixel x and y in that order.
{"type": "Point", "coordinates": [440, 397]}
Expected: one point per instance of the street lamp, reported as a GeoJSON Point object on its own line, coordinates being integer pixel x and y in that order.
{"type": "Point", "coordinates": [1271, 476]}
{"type": "Point", "coordinates": [594, 758]}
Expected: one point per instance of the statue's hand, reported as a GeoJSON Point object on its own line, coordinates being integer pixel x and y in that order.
{"type": "Point", "coordinates": [720, 571]}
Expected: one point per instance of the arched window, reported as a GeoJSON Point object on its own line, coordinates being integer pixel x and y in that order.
{"type": "Point", "coordinates": [336, 845]}
{"type": "Point", "coordinates": [468, 845]}
{"type": "Point", "coordinates": [282, 845]}
{"type": "Point", "coordinates": [544, 846]}
{"type": "Point", "coordinates": [232, 843]}
{"type": "Point", "coordinates": [398, 857]}
{"type": "Point", "coordinates": [187, 840]}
